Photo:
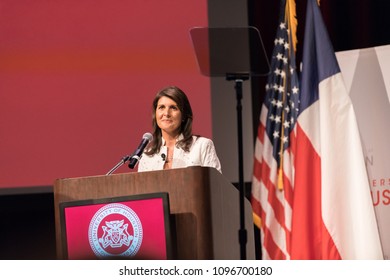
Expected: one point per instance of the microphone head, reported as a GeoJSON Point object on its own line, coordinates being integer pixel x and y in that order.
{"type": "Point", "coordinates": [148, 136]}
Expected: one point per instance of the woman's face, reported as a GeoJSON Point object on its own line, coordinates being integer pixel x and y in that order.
{"type": "Point", "coordinates": [168, 116]}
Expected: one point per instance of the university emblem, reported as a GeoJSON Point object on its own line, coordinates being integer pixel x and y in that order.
{"type": "Point", "coordinates": [115, 231]}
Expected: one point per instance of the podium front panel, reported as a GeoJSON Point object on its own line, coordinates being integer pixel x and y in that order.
{"type": "Point", "coordinates": [127, 227]}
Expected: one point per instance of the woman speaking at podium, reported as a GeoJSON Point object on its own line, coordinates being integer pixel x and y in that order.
{"type": "Point", "coordinates": [173, 144]}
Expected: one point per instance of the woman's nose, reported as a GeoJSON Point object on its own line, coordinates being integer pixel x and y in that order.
{"type": "Point", "coordinates": [166, 112]}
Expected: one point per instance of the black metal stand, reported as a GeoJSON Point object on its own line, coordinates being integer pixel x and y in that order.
{"type": "Point", "coordinates": [226, 52]}
{"type": "Point", "coordinates": [242, 233]}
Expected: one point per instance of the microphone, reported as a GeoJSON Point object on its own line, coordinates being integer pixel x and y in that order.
{"type": "Point", "coordinates": [138, 152]}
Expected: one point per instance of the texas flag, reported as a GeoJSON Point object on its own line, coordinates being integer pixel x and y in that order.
{"type": "Point", "coordinates": [333, 215]}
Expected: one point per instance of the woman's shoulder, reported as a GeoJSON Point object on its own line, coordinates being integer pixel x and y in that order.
{"type": "Point", "coordinates": [202, 141]}
{"type": "Point", "coordinates": [200, 138]}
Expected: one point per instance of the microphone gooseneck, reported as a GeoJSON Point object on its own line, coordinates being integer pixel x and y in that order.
{"type": "Point", "coordinates": [136, 155]}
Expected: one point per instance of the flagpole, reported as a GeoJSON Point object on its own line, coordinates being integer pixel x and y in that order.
{"type": "Point", "coordinates": [242, 233]}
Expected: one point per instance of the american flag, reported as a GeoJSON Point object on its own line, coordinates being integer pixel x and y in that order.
{"type": "Point", "coordinates": [272, 184]}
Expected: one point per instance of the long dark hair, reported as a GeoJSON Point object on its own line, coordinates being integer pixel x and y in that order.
{"type": "Point", "coordinates": [177, 95]}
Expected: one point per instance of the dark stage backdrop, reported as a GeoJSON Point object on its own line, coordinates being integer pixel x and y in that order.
{"type": "Point", "coordinates": [77, 79]}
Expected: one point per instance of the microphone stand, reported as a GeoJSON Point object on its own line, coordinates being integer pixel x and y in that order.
{"type": "Point", "coordinates": [119, 164]}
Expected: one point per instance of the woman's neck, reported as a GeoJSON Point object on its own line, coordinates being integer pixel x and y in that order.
{"type": "Point", "coordinates": [170, 139]}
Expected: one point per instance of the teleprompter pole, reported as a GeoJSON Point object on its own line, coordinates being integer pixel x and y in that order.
{"type": "Point", "coordinates": [242, 233]}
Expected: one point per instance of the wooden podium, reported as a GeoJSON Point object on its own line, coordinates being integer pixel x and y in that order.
{"type": "Point", "coordinates": [203, 204]}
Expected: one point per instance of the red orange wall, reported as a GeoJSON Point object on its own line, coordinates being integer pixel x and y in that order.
{"type": "Point", "coordinates": [77, 79]}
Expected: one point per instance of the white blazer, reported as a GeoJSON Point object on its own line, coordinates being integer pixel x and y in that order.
{"type": "Point", "coordinates": [202, 153]}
